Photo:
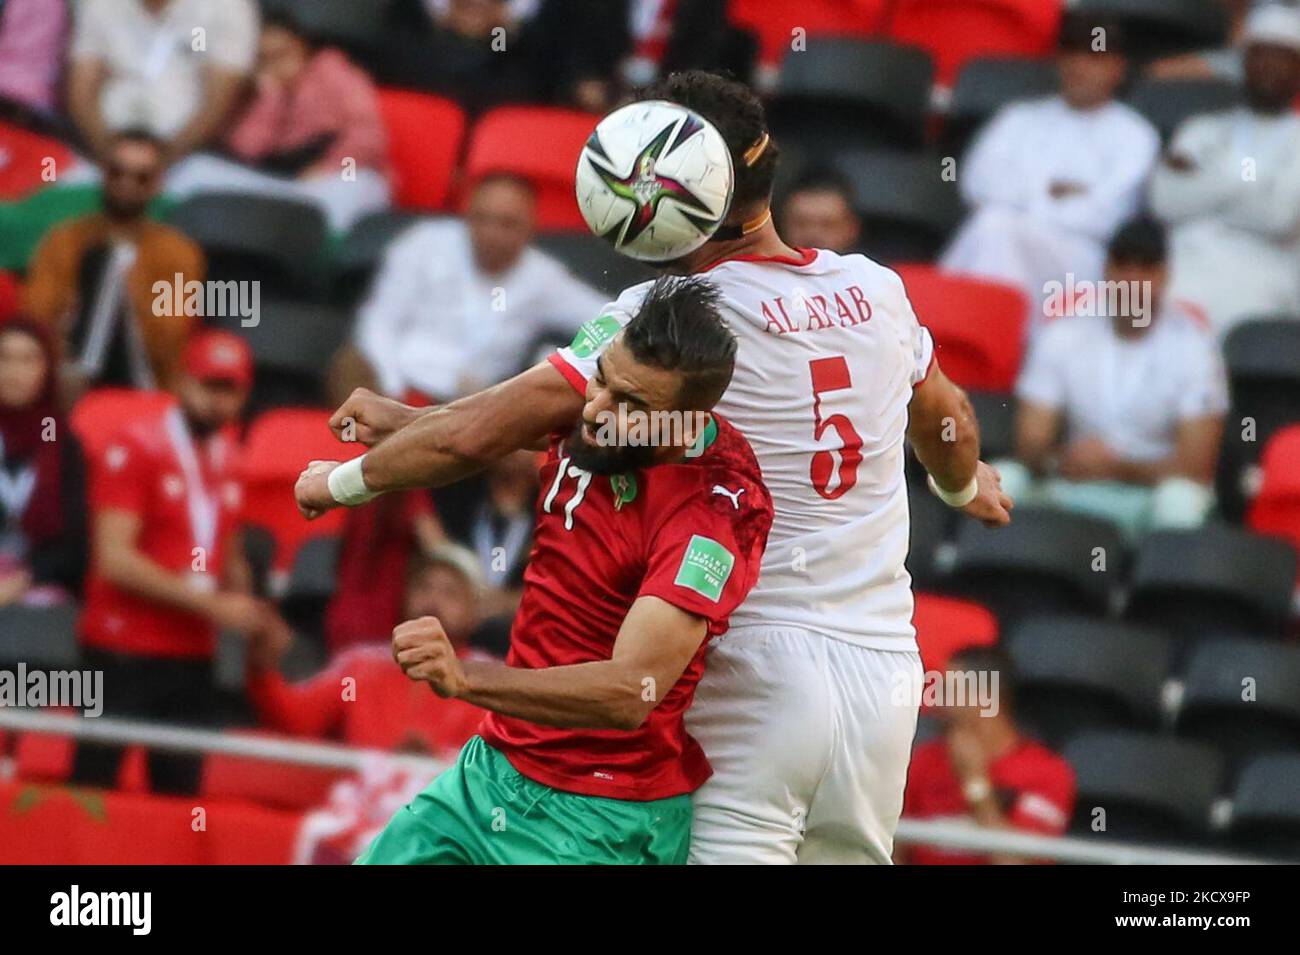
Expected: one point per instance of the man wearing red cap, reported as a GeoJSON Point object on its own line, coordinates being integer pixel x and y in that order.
{"type": "Point", "coordinates": [166, 574]}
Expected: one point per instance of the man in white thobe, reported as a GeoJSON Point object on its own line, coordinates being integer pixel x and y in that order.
{"type": "Point", "coordinates": [1229, 188]}
{"type": "Point", "coordinates": [1050, 180]}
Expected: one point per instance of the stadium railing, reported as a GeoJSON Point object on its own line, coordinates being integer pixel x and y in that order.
{"type": "Point", "coordinates": [948, 834]}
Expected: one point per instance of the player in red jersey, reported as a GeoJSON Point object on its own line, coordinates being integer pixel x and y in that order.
{"type": "Point", "coordinates": [651, 525]}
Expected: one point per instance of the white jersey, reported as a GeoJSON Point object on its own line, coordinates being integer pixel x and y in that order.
{"type": "Point", "coordinates": [829, 352]}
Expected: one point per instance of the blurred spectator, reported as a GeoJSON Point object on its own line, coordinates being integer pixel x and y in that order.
{"type": "Point", "coordinates": [167, 568]}
{"type": "Point", "coordinates": [473, 51]}
{"type": "Point", "coordinates": [817, 213]}
{"type": "Point", "coordinates": [173, 67]}
{"type": "Point", "coordinates": [498, 527]}
{"type": "Point", "coordinates": [1224, 63]}
{"type": "Point", "coordinates": [1229, 187]}
{"type": "Point", "coordinates": [455, 302]}
{"type": "Point", "coordinates": [983, 768]}
{"type": "Point", "coordinates": [380, 708]}
{"type": "Point", "coordinates": [379, 543]}
{"type": "Point", "coordinates": [312, 131]}
{"type": "Point", "coordinates": [33, 34]}
{"type": "Point", "coordinates": [92, 280]}
{"type": "Point", "coordinates": [42, 475]}
{"type": "Point", "coordinates": [1121, 412]}
{"type": "Point", "coordinates": [1051, 179]}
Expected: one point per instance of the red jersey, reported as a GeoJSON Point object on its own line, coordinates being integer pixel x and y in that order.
{"type": "Point", "coordinates": [690, 533]}
{"type": "Point", "coordinates": [1034, 786]}
{"type": "Point", "coordinates": [380, 708]}
{"type": "Point", "coordinates": [188, 503]}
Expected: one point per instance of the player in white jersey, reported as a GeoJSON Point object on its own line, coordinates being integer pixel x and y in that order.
{"type": "Point", "coordinates": [803, 710]}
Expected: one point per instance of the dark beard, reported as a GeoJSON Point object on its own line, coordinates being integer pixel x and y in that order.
{"type": "Point", "coordinates": [606, 460]}
{"type": "Point", "coordinates": [199, 429]}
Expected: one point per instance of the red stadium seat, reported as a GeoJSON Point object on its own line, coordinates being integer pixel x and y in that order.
{"type": "Point", "coordinates": [283, 785]}
{"type": "Point", "coordinates": [9, 293]}
{"type": "Point", "coordinates": [978, 326]}
{"type": "Point", "coordinates": [774, 21]}
{"type": "Point", "coordinates": [425, 133]}
{"type": "Point", "coordinates": [957, 31]}
{"type": "Point", "coordinates": [1276, 509]}
{"type": "Point", "coordinates": [945, 625]}
{"type": "Point", "coordinates": [278, 447]}
{"type": "Point", "coordinates": [540, 144]}
{"type": "Point", "coordinates": [101, 413]}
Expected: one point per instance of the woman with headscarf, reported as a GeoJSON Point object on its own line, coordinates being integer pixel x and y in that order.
{"type": "Point", "coordinates": [42, 475]}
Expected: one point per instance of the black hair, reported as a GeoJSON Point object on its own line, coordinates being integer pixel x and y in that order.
{"type": "Point", "coordinates": [1139, 241]}
{"type": "Point", "coordinates": [822, 179]}
{"type": "Point", "coordinates": [504, 175]}
{"type": "Point", "coordinates": [738, 114]}
{"type": "Point", "coordinates": [988, 660]}
{"type": "Point", "coordinates": [289, 21]}
{"type": "Point", "coordinates": [680, 328]}
{"type": "Point", "coordinates": [1079, 30]}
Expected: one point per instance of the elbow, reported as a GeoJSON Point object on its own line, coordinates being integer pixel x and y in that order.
{"type": "Point", "coordinates": [626, 717]}
{"type": "Point", "coordinates": [625, 706]}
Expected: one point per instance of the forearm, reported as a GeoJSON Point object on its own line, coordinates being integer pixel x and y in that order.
{"type": "Point", "coordinates": [427, 452]}
{"type": "Point", "coordinates": [949, 448]}
{"type": "Point", "coordinates": [597, 695]}
{"type": "Point", "coordinates": [131, 571]}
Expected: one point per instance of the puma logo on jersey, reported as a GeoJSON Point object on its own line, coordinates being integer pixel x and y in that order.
{"type": "Point", "coordinates": [733, 496]}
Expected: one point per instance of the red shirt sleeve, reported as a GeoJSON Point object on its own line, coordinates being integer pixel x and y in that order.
{"type": "Point", "coordinates": [309, 708]}
{"type": "Point", "coordinates": [704, 557]}
{"type": "Point", "coordinates": [122, 476]}
{"type": "Point", "coordinates": [1044, 803]}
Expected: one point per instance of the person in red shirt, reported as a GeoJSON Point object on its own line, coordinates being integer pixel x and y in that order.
{"type": "Point", "coordinates": [646, 540]}
{"type": "Point", "coordinates": [165, 572]}
{"type": "Point", "coordinates": [983, 768]}
{"type": "Point", "coordinates": [361, 698]}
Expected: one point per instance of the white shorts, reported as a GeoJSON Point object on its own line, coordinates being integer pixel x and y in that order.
{"type": "Point", "coordinates": [809, 741]}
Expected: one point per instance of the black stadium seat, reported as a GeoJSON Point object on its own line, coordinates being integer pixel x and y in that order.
{"type": "Point", "coordinates": [43, 637]}
{"type": "Point", "coordinates": [278, 242]}
{"type": "Point", "coordinates": [1151, 788]}
{"type": "Point", "coordinates": [1160, 27]}
{"type": "Point", "coordinates": [984, 86]}
{"type": "Point", "coordinates": [1266, 807]}
{"type": "Point", "coordinates": [361, 252]}
{"type": "Point", "coordinates": [1243, 696]}
{"type": "Point", "coordinates": [908, 207]}
{"type": "Point", "coordinates": [1263, 359]}
{"type": "Point", "coordinates": [996, 414]}
{"type": "Point", "coordinates": [311, 583]}
{"type": "Point", "coordinates": [931, 524]}
{"type": "Point", "coordinates": [1041, 563]}
{"type": "Point", "coordinates": [594, 261]}
{"type": "Point", "coordinates": [843, 93]}
{"type": "Point", "coordinates": [1075, 674]}
{"type": "Point", "coordinates": [1169, 103]}
{"type": "Point", "coordinates": [1215, 581]}
{"type": "Point", "coordinates": [357, 27]}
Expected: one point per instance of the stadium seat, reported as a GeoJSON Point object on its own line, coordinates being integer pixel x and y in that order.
{"type": "Point", "coordinates": [1265, 811]}
{"type": "Point", "coordinates": [594, 261]}
{"type": "Point", "coordinates": [357, 27]}
{"type": "Point", "coordinates": [1160, 27]}
{"type": "Point", "coordinates": [281, 785]}
{"type": "Point", "coordinates": [1074, 674]}
{"type": "Point", "coordinates": [43, 637]}
{"type": "Point", "coordinates": [945, 625]}
{"type": "Point", "coordinates": [311, 583]}
{"type": "Point", "coordinates": [10, 289]}
{"type": "Point", "coordinates": [844, 94]}
{"type": "Point", "coordinates": [1151, 788]}
{"type": "Point", "coordinates": [278, 242]}
{"type": "Point", "coordinates": [1041, 563]}
{"type": "Point", "coordinates": [425, 135]}
{"type": "Point", "coordinates": [1276, 508]}
{"type": "Point", "coordinates": [1215, 581]}
{"type": "Point", "coordinates": [1263, 359]}
{"type": "Point", "coordinates": [1169, 103]}
{"type": "Point", "coordinates": [100, 414]}
{"type": "Point", "coordinates": [957, 31]}
{"type": "Point", "coordinates": [774, 21]}
{"type": "Point", "coordinates": [278, 446]}
{"type": "Point", "coordinates": [908, 209]}
{"type": "Point", "coordinates": [978, 326]}
{"type": "Point", "coordinates": [542, 145]}
{"type": "Point", "coordinates": [984, 86]}
{"type": "Point", "coordinates": [292, 345]}
{"type": "Point", "coordinates": [1242, 696]}
{"type": "Point", "coordinates": [362, 250]}
{"type": "Point", "coordinates": [931, 527]}
{"type": "Point", "coordinates": [996, 414]}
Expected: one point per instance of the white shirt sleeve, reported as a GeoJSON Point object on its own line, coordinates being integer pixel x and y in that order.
{"type": "Point", "coordinates": [233, 35]}
{"type": "Point", "coordinates": [393, 305]}
{"type": "Point", "coordinates": [921, 341]}
{"type": "Point", "coordinates": [90, 32]}
{"type": "Point", "coordinates": [989, 175]}
{"type": "Point", "coordinates": [595, 335]}
{"type": "Point", "coordinates": [1205, 381]}
{"type": "Point", "coordinates": [1042, 379]}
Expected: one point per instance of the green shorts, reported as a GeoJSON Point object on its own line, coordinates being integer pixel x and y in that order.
{"type": "Point", "coordinates": [483, 812]}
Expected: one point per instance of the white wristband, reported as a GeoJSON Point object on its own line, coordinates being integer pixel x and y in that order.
{"type": "Point", "coordinates": [954, 498]}
{"type": "Point", "coordinates": [348, 485]}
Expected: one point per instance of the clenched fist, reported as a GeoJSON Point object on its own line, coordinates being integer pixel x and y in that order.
{"type": "Point", "coordinates": [424, 653]}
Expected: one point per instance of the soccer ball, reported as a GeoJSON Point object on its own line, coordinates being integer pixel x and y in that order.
{"type": "Point", "coordinates": [654, 180]}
